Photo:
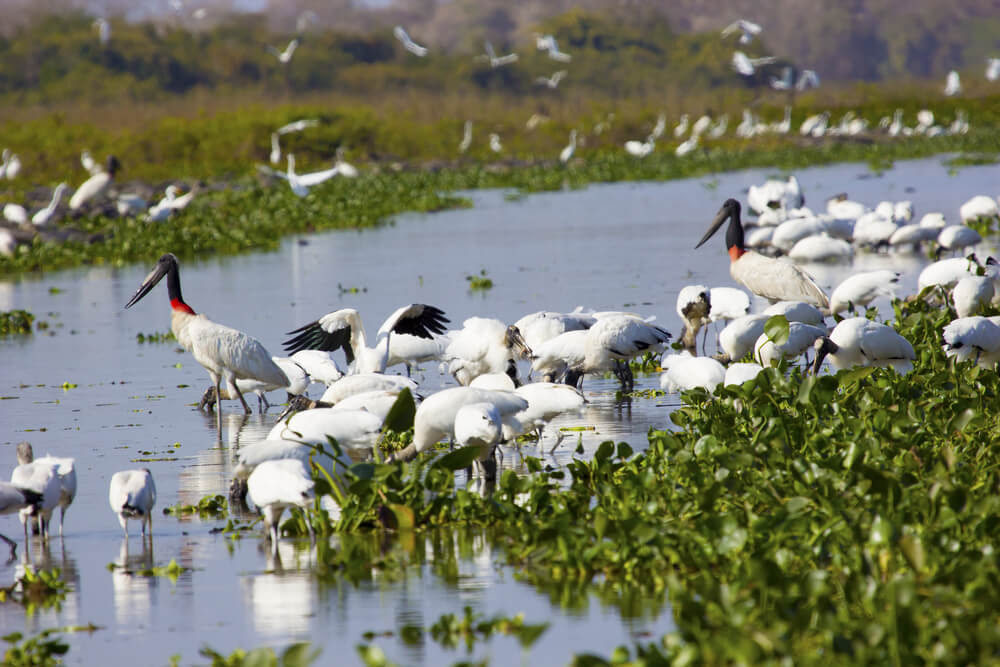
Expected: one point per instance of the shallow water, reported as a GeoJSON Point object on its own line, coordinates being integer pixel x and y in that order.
{"type": "Point", "coordinates": [620, 246]}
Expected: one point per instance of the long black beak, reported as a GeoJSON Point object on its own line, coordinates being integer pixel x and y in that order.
{"type": "Point", "coordinates": [161, 269]}
{"type": "Point", "coordinates": [720, 218]}
{"type": "Point", "coordinates": [823, 347]}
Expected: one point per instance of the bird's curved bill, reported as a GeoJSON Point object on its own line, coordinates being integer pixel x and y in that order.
{"type": "Point", "coordinates": [149, 283]}
{"type": "Point", "coordinates": [720, 218]}
{"type": "Point", "coordinates": [515, 341]}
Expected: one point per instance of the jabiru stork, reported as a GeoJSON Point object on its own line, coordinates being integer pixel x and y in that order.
{"type": "Point", "coordinates": [773, 279]}
{"type": "Point", "coordinates": [227, 354]}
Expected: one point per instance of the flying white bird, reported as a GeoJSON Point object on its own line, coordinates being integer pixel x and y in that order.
{"type": "Point", "coordinates": [103, 31]}
{"type": "Point", "coordinates": [746, 65]}
{"type": "Point", "coordinates": [747, 29]}
{"type": "Point", "coordinates": [132, 495]}
{"type": "Point", "coordinates": [953, 84]}
{"type": "Point", "coordinates": [639, 148]}
{"type": "Point", "coordinates": [494, 60]}
{"type": "Point", "coordinates": [284, 57]}
{"type": "Point", "coordinates": [807, 79]}
{"type": "Point", "coordinates": [227, 354]}
{"type": "Point", "coordinates": [548, 43]}
{"type": "Point", "coordinates": [768, 277]}
{"type": "Point", "coordinates": [408, 43]}
{"type": "Point", "coordinates": [298, 125]}
{"type": "Point", "coordinates": [551, 81]}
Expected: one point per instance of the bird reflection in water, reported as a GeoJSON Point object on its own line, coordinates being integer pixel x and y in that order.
{"type": "Point", "coordinates": [133, 593]}
{"type": "Point", "coordinates": [40, 558]}
{"type": "Point", "coordinates": [282, 600]}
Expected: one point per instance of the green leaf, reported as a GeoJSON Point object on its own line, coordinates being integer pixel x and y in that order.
{"type": "Point", "coordinates": [402, 412]}
{"type": "Point", "coordinates": [776, 329]}
{"type": "Point", "coordinates": [459, 459]}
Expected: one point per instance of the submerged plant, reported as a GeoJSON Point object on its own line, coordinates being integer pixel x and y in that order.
{"type": "Point", "coordinates": [36, 589]}
{"type": "Point", "coordinates": [15, 322]}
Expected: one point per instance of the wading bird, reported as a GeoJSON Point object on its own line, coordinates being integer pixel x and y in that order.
{"type": "Point", "coordinates": [861, 289]}
{"type": "Point", "coordinates": [43, 216]}
{"type": "Point", "coordinates": [276, 485]}
{"type": "Point", "coordinates": [132, 495]}
{"type": "Point", "coordinates": [483, 345]}
{"type": "Point", "coordinates": [96, 185]}
{"type": "Point", "coordinates": [567, 152]}
{"type": "Point", "coordinates": [773, 279]}
{"type": "Point", "coordinates": [15, 499]}
{"type": "Point", "coordinates": [858, 341]}
{"type": "Point", "coordinates": [227, 354]}
{"type": "Point", "coordinates": [65, 473]}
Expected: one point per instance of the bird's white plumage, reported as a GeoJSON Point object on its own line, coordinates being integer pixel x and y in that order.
{"type": "Point", "coordinates": [740, 372]}
{"type": "Point", "coordinates": [357, 430]}
{"type": "Point", "coordinates": [739, 336]}
{"type": "Point", "coordinates": [862, 288]}
{"type": "Point", "coordinates": [276, 485]}
{"type": "Point", "coordinates": [225, 352]}
{"type": "Point", "coordinates": [800, 339]}
{"type": "Point", "coordinates": [90, 189]}
{"type": "Point", "coordinates": [796, 311]}
{"type": "Point", "coordinates": [480, 346]}
{"type": "Point", "coordinates": [946, 272]}
{"type": "Point", "coordinates": [45, 215]}
{"type": "Point", "coordinates": [132, 495]}
{"type": "Point", "coordinates": [820, 248]}
{"type": "Point", "coordinates": [956, 237]}
{"type": "Point", "coordinates": [683, 372]}
{"type": "Point", "coordinates": [728, 303]}
{"type": "Point", "coordinates": [971, 294]}
{"type": "Point", "coordinates": [350, 385]}
{"type": "Point", "coordinates": [319, 365]}
{"type": "Point", "coordinates": [378, 402]}
{"type": "Point", "coordinates": [776, 280]}
{"type": "Point", "coordinates": [544, 325]}
{"type": "Point", "coordinates": [435, 418]}
{"type": "Point", "coordinates": [974, 339]}
{"type": "Point", "coordinates": [861, 342]}
{"type": "Point", "coordinates": [977, 207]}
{"type": "Point", "coordinates": [547, 400]}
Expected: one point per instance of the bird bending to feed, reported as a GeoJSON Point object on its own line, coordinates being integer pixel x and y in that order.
{"type": "Point", "coordinates": [773, 279]}
{"type": "Point", "coordinates": [277, 484]}
{"type": "Point", "coordinates": [132, 496]}
{"type": "Point", "coordinates": [858, 341]}
{"type": "Point", "coordinates": [343, 329]}
{"type": "Point", "coordinates": [16, 499]}
{"type": "Point", "coordinates": [483, 345]}
{"type": "Point", "coordinates": [227, 354]}
{"type": "Point", "coordinates": [65, 469]}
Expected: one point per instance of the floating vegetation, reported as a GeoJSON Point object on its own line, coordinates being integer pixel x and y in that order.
{"type": "Point", "coordinates": [171, 570]}
{"type": "Point", "coordinates": [36, 589]}
{"type": "Point", "coordinates": [480, 282]}
{"type": "Point", "coordinates": [156, 337]}
{"type": "Point", "coordinates": [15, 322]}
{"type": "Point", "coordinates": [971, 159]}
{"type": "Point", "coordinates": [209, 507]}
{"type": "Point", "coordinates": [299, 654]}
{"type": "Point", "coordinates": [341, 290]}
{"type": "Point", "coordinates": [42, 650]}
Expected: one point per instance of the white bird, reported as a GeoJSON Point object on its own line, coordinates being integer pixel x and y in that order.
{"type": "Point", "coordinates": [15, 213]}
{"type": "Point", "coordinates": [953, 84]}
{"type": "Point", "coordinates": [567, 152]}
{"type": "Point", "coordinates": [975, 339]}
{"type": "Point", "coordinates": [495, 144]}
{"type": "Point", "coordinates": [377, 403]}
{"type": "Point", "coordinates": [343, 167]}
{"type": "Point", "coordinates": [719, 129]}
{"type": "Point", "coordinates": [298, 125]}
{"type": "Point", "coordinates": [274, 486]}
{"type": "Point", "coordinates": [435, 417]}
{"type": "Point", "coordinates": [300, 183]}
{"type": "Point", "coordinates": [807, 79]}
{"type": "Point", "coordinates": [606, 346]}
{"type": "Point", "coordinates": [746, 65]}
{"type": "Point", "coordinates": [687, 146]}
{"type": "Point", "coordinates": [980, 206]}
{"type": "Point", "coordinates": [172, 201]}
{"type": "Point", "coordinates": [747, 29]}
{"type": "Point", "coordinates": [483, 345]}
{"type": "Point", "coordinates": [548, 43]}
{"type": "Point", "coordinates": [815, 125]}
{"type": "Point", "coordinates": [466, 137]}
{"type": "Point", "coordinates": [96, 185]}
{"type": "Point", "coordinates": [820, 248]}
{"type": "Point", "coordinates": [946, 272]}
{"type": "Point", "coordinates": [683, 372]}
{"type": "Point", "coordinates": [352, 385]}
{"type": "Point", "coordinates": [639, 148]}
{"type": "Point", "coordinates": [65, 470]}
{"type": "Point", "coordinates": [356, 431]}
{"type": "Point", "coordinates": [796, 311]}
{"type": "Point", "coordinates": [298, 382]}
{"type": "Point", "coordinates": [682, 127]}
{"type": "Point", "coordinates": [739, 336]}
{"type": "Point", "coordinates": [538, 327]}
{"type": "Point", "coordinates": [275, 156]}
{"type": "Point", "coordinates": [661, 125]}
{"type": "Point", "coordinates": [343, 329]}
{"type": "Point", "coordinates": [786, 195]}
{"type": "Point", "coordinates": [132, 496]}
{"type": "Point", "coordinates": [227, 354]}
{"type": "Point", "coordinates": [15, 499]}
{"type": "Point", "coordinates": [284, 57]}
{"type": "Point", "coordinates": [992, 69]}
{"type": "Point", "coordinates": [861, 289]}
{"type": "Point", "coordinates": [319, 365]}
{"type": "Point", "coordinates": [43, 480]}
{"type": "Point", "coordinates": [408, 43]}
{"type": "Point", "coordinates": [741, 372]}
{"type": "Point", "coordinates": [971, 294]}
{"type": "Point", "coordinates": [551, 81]}
{"type": "Point", "coordinates": [103, 31]}
{"type": "Point", "coordinates": [800, 339]}
{"type": "Point", "coordinates": [497, 61]}
{"type": "Point", "coordinates": [767, 277]}
{"type": "Point", "coordinates": [957, 237]}
{"type": "Point", "coordinates": [857, 341]}
{"type": "Point", "coordinates": [547, 400]}
{"type": "Point", "coordinates": [44, 215]}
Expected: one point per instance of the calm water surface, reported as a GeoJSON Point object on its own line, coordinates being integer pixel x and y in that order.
{"type": "Point", "coordinates": [621, 246]}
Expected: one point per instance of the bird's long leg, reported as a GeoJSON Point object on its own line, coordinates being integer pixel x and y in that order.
{"type": "Point", "coordinates": [62, 520]}
{"type": "Point", "coordinates": [13, 546]}
{"type": "Point", "coordinates": [704, 341]}
{"type": "Point", "coordinates": [246, 408]}
{"type": "Point", "coordinates": [149, 521]}
{"type": "Point", "coordinates": [559, 438]}
{"type": "Point", "coordinates": [218, 405]}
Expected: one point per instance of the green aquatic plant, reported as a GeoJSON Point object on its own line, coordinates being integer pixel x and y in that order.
{"type": "Point", "coordinates": [15, 322]}
{"type": "Point", "coordinates": [156, 337]}
{"type": "Point", "coordinates": [41, 650]}
{"type": "Point", "coordinates": [299, 654]}
{"type": "Point", "coordinates": [36, 589]}
{"type": "Point", "coordinates": [480, 282]}
{"type": "Point", "coordinates": [209, 507]}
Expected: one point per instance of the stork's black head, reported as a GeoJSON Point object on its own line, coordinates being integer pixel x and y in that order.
{"type": "Point", "coordinates": [734, 235]}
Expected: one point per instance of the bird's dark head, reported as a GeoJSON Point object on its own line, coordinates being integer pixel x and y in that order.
{"type": "Point", "coordinates": [113, 165]}
{"type": "Point", "coordinates": [734, 236]}
{"type": "Point", "coordinates": [166, 266]}
{"type": "Point", "coordinates": [515, 342]}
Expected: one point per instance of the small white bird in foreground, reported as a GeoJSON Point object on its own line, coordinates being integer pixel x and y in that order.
{"type": "Point", "coordinates": [276, 485]}
{"type": "Point", "coordinates": [132, 495]}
